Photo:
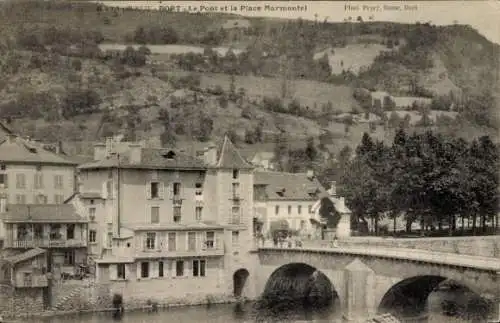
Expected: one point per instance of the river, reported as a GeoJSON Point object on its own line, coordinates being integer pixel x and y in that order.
{"type": "Point", "coordinates": [282, 312]}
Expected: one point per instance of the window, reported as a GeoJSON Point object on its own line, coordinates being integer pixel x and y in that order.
{"type": "Point", "coordinates": [41, 199]}
{"type": "Point", "coordinates": [160, 269]}
{"type": "Point", "coordinates": [277, 209]}
{"type": "Point", "coordinates": [177, 214]}
{"type": "Point", "coordinates": [177, 189]}
{"type": "Point", "coordinates": [236, 174]}
{"type": "Point", "coordinates": [172, 241]}
{"type": "Point", "coordinates": [289, 209]}
{"type": "Point", "coordinates": [198, 213]}
{"type": "Point", "coordinates": [179, 268]}
{"type": "Point", "coordinates": [120, 271]}
{"type": "Point", "coordinates": [302, 224]}
{"type": "Point", "coordinates": [20, 199]}
{"type": "Point", "coordinates": [70, 231]}
{"type": "Point", "coordinates": [110, 240]}
{"type": "Point", "coordinates": [38, 231]}
{"type": "Point", "coordinates": [191, 241]}
{"type": "Point", "coordinates": [92, 211]}
{"type": "Point", "coordinates": [3, 180]}
{"type": "Point", "coordinates": [92, 236]}
{"type": "Point", "coordinates": [38, 180]}
{"type": "Point", "coordinates": [236, 190]}
{"type": "Point", "coordinates": [55, 232]}
{"type": "Point", "coordinates": [155, 214]}
{"type": "Point", "coordinates": [59, 199]}
{"type": "Point", "coordinates": [155, 190]}
{"type": "Point", "coordinates": [144, 269]}
{"type": "Point", "coordinates": [69, 258]}
{"type": "Point", "coordinates": [199, 268]}
{"type": "Point", "coordinates": [235, 215]}
{"type": "Point", "coordinates": [198, 189]}
{"type": "Point", "coordinates": [210, 240]}
{"type": "Point", "coordinates": [235, 238]}
{"type": "Point", "coordinates": [150, 240]}
{"type": "Point", "coordinates": [3, 167]}
{"type": "Point", "coordinates": [58, 182]}
{"type": "Point", "coordinates": [20, 181]}
{"type": "Point", "coordinates": [310, 208]}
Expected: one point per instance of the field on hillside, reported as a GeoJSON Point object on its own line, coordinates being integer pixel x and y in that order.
{"type": "Point", "coordinates": [353, 57]}
{"type": "Point", "coordinates": [307, 92]}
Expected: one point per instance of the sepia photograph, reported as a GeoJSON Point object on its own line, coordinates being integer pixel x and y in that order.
{"type": "Point", "coordinates": [249, 161]}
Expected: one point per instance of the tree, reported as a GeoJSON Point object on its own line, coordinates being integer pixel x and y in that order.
{"type": "Point", "coordinates": [394, 120]}
{"type": "Point", "coordinates": [311, 150]}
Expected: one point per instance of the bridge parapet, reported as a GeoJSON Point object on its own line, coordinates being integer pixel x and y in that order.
{"type": "Point", "coordinates": [484, 246]}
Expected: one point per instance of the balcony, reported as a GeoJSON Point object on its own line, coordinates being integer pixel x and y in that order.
{"type": "Point", "coordinates": [46, 243]}
{"type": "Point", "coordinates": [35, 281]}
{"type": "Point", "coordinates": [198, 249]}
{"type": "Point", "coordinates": [177, 200]}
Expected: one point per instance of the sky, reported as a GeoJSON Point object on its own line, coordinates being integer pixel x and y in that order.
{"type": "Point", "coordinates": [483, 15]}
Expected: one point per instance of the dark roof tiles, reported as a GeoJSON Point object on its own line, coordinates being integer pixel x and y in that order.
{"type": "Point", "coordinates": [231, 158]}
{"type": "Point", "coordinates": [151, 158]}
{"type": "Point", "coordinates": [42, 213]}
{"type": "Point", "coordinates": [288, 186]}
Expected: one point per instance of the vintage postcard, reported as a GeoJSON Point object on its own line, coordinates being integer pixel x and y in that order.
{"type": "Point", "coordinates": [249, 161]}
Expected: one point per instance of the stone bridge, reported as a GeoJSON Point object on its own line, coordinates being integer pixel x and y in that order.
{"type": "Point", "coordinates": [369, 279]}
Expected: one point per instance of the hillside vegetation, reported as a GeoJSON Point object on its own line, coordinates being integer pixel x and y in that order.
{"type": "Point", "coordinates": [57, 84]}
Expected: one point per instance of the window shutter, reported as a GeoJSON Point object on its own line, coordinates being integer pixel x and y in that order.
{"type": "Point", "coordinates": [161, 189]}
{"type": "Point", "coordinates": [148, 190]}
{"type": "Point", "coordinates": [6, 180]}
{"type": "Point", "coordinates": [171, 191]}
{"type": "Point", "coordinates": [104, 190]}
{"type": "Point", "coordinates": [113, 271]}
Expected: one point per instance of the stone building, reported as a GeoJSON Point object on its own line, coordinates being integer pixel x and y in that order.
{"type": "Point", "coordinates": [167, 225]}
{"type": "Point", "coordinates": [286, 196]}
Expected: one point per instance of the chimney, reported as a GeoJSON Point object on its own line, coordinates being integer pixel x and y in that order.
{"type": "Point", "coordinates": [100, 151]}
{"type": "Point", "coordinates": [11, 138]}
{"type": "Point", "coordinates": [333, 189]}
{"type": "Point", "coordinates": [135, 151]}
{"type": "Point", "coordinates": [310, 174]}
{"type": "Point", "coordinates": [59, 149]}
{"type": "Point", "coordinates": [210, 155]}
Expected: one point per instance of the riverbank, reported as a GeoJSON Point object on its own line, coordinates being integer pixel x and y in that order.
{"type": "Point", "coordinates": [153, 306]}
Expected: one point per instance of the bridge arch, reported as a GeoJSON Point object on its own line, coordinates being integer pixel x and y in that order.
{"type": "Point", "coordinates": [301, 282]}
{"type": "Point", "coordinates": [410, 296]}
{"type": "Point", "coordinates": [240, 278]}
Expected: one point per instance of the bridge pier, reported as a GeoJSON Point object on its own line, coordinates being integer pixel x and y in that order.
{"type": "Point", "coordinates": [359, 291]}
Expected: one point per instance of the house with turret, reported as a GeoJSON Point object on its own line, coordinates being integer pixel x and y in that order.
{"type": "Point", "coordinates": [166, 224]}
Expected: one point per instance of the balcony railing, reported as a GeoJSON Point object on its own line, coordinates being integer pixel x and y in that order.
{"type": "Point", "coordinates": [31, 282]}
{"type": "Point", "coordinates": [200, 248]}
{"type": "Point", "coordinates": [177, 200]}
{"type": "Point", "coordinates": [46, 243]}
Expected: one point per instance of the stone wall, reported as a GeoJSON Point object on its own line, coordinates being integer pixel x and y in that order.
{"type": "Point", "coordinates": [27, 300]}
{"type": "Point", "coordinates": [486, 246]}
{"type": "Point", "coordinates": [79, 295]}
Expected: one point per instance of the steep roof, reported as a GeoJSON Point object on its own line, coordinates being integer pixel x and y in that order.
{"type": "Point", "coordinates": [25, 255]}
{"type": "Point", "coordinates": [16, 149]}
{"type": "Point", "coordinates": [288, 186]}
{"type": "Point", "coordinates": [42, 213]}
{"type": "Point", "coordinates": [230, 157]}
{"type": "Point", "coordinates": [151, 158]}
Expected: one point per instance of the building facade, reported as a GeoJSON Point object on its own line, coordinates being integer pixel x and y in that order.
{"type": "Point", "coordinates": [160, 219]}
{"type": "Point", "coordinates": [286, 196]}
{"type": "Point", "coordinates": [30, 174]}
